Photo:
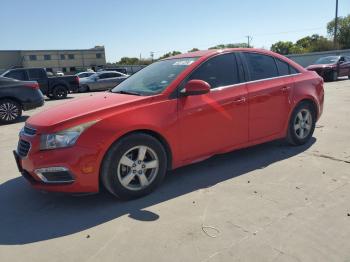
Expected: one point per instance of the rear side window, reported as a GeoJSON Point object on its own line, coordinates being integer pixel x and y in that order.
{"type": "Point", "coordinates": [36, 74]}
{"type": "Point", "coordinates": [283, 67]}
{"type": "Point", "coordinates": [219, 71]}
{"type": "Point", "coordinates": [261, 66]}
{"type": "Point", "coordinates": [16, 74]}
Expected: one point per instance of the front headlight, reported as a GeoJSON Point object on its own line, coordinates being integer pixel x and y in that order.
{"type": "Point", "coordinates": [63, 138]}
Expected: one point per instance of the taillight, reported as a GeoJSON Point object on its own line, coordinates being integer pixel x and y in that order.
{"type": "Point", "coordinates": [32, 85]}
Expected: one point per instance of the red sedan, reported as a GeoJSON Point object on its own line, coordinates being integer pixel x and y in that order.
{"type": "Point", "coordinates": [175, 112]}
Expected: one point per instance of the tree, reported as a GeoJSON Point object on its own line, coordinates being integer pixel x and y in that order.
{"type": "Point", "coordinates": [173, 53]}
{"type": "Point", "coordinates": [236, 45]}
{"type": "Point", "coordinates": [283, 47]}
{"type": "Point", "coordinates": [343, 32]}
{"type": "Point", "coordinates": [133, 61]}
{"type": "Point", "coordinates": [129, 61]}
{"type": "Point", "coordinates": [314, 43]}
{"type": "Point", "coordinates": [193, 50]}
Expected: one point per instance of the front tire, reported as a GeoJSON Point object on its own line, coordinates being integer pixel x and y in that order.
{"type": "Point", "coordinates": [301, 124]}
{"type": "Point", "coordinates": [134, 166]}
{"type": "Point", "coordinates": [10, 111]}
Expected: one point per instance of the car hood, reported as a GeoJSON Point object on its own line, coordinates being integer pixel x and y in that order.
{"type": "Point", "coordinates": [320, 66]}
{"type": "Point", "coordinates": [82, 110]}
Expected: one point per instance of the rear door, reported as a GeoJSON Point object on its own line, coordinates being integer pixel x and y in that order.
{"type": "Point", "coordinates": [269, 94]}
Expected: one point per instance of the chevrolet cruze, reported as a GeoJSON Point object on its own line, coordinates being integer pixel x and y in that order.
{"type": "Point", "coordinates": [175, 112]}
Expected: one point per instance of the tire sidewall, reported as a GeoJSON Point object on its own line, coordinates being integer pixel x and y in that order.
{"type": "Point", "coordinates": [19, 107]}
{"type": "Point", "coordinates": [110, 163]}
{"type": "Point", "coordinates": [292, 137]}
{"type": "Point", "coordinates": [56, 92]}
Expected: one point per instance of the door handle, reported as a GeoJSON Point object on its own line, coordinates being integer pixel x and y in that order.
{"type": "Point", "coordinates": [285, 88]}
{"type": "Point", "coordinates": [239, 100]}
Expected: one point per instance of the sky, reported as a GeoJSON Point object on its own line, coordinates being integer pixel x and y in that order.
{"type": "Point", "coordinates": [138, 27]}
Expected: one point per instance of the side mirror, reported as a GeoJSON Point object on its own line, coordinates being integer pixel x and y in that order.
{"type": "Point", "coordinates": [196, 87]}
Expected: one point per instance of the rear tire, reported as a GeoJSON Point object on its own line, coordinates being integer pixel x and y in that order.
{"type": "Point", "coordinates": [334, 76]}
{"type": "Point", "coordinates": [84, 89]}
{"type": "Point", "coordinates": [10, 111]}
{"type": "Point", "coordinates": [59, 92]}
{"type": "Point", "coordinates": [301, 124]}
{"type": "Point", "coordinates": [134, 166]}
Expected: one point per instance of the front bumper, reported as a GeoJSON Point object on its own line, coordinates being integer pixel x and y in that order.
{"type": "Point", "coordinates": [79, 171]}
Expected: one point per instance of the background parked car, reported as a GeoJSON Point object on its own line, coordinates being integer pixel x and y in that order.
{"type": "Point", "coordinates": [101, 81]}
{"type": "Point", "coordinates": [59, 73]}
{"type": "Point", "coordinates": [84, 74]}
{"type": "Point", "coordinates": [16, 96]}
{"type": "Point", "coordinates": [115, 69]}
{"type": "Point", "coordinates": [331, 67]}
{"type": "Point", "coordinates": [56, 87]}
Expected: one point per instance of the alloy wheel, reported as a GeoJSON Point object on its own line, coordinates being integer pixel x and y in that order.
{"type": "Point", "coordinates": [303, 123]}
{"type": "Point", "coordinates": [138, 168]}
{"type": "Point", "coordinates": [8, 111]}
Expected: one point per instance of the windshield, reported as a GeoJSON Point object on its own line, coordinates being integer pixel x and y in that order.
{"type": "Point", "coordinates": [327, 60]}
{"type": "Point", "coordinates": [154, 78]}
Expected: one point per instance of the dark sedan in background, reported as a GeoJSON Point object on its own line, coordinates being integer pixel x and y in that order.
{"type": "Point", "coordinates": [331, 67]}
{"type": "Point", "coordinates": [16, 96]}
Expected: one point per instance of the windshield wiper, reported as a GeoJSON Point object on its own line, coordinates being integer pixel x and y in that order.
{"type": "Point", "coordinates": [127, 92]}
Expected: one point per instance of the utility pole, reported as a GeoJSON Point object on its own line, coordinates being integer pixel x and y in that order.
{"type": "Point", "coordinates": [249, 39]}
{"type": "Point", "coordinates": [152, 56]}
{"type": "Point", "coordinates": [335, 24]}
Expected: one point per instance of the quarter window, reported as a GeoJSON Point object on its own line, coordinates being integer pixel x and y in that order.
{"type": "Point", "coordinates": [261, 66]}
{"type": "Point", "coordinates": [219, 71]}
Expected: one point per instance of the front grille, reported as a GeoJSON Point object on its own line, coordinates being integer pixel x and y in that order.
{"type": "Point", "coordinates": [23, 148]}
{"type": "Point", "coordinates": [29, 131]}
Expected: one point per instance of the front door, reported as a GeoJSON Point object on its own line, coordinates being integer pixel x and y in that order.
{"type": "Point", "coordinates": [218, 120]}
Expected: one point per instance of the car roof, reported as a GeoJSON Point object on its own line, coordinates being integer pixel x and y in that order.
{"type": "Point", "coordinates": [211, 52]}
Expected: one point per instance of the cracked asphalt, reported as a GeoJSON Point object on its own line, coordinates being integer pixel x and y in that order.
{"type": "Point", "coordinates": [271, 202]}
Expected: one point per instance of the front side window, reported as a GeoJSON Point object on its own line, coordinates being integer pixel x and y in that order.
{"type": "Point", "coordinates": [154, 78]}
{"type": "Point", "coordinates": [261, 66]}
{"type": "Point", "coordinates": [221, 70]}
